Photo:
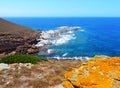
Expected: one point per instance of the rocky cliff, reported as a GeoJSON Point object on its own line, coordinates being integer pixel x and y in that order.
{"type": "Point", "coordinates": [99, 72]}
{"type": "Point", "coordinates": [14, 37]}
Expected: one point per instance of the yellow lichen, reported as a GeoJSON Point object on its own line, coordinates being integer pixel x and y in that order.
{"type": "Point", "coordinates": [67, 84]}
{"type": "Point", "coordinates": [96, 73]}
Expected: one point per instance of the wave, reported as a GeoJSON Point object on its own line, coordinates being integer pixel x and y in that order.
{"type": "Point", "coordinates": [61, 35]}
{"type": "Point", "coordinates": [63, 39]}
{"type": "Point", "coordinates": [65, 54]}
{"type": "Point", "coordinates": [81, 58]}
{"type": "Point", "coordinates": [72, 58]}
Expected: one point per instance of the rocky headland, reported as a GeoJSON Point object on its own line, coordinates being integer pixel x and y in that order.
{"type": "Point", "coordinates": [17, 39]}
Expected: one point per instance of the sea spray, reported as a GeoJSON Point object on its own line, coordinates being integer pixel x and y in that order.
{"type": "Point", "coordinates": [59, 36]}
{"type": "Point", "coordinates": [72, 58]}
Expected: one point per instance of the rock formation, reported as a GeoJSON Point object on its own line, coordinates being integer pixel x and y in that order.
{"type": "Point", "coordinates": [17, 38]}
{"type": "Point", "coordinates": [99, 72]}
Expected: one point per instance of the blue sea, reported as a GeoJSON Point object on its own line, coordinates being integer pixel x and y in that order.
{"type": "Point", "coordinates": [101, 36]}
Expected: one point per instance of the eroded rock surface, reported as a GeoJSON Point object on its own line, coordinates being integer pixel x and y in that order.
{"type": "Point", "coordinates": [17, 38]}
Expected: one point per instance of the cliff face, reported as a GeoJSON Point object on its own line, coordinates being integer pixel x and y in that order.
{"type": "Point", "coordinates": [17, 38]}
{"type": "Point", "coordinates": [99, 72]}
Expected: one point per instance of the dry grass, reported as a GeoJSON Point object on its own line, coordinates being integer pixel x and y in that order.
{"type": "Point", "coordinates": [45, 74]}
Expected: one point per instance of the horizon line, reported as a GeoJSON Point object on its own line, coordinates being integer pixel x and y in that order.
{"type": "Point", "coordinates": [59, 16]}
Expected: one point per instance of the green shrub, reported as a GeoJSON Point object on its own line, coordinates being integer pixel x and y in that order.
{"type": "Point", "coordinates": [21, 58]}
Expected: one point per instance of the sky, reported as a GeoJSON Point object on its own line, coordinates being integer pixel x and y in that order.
{"type": "Point", "coordinates": [59, 8]}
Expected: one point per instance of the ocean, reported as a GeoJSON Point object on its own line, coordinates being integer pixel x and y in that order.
{"type": "Point", "coordinates": [100, 35]}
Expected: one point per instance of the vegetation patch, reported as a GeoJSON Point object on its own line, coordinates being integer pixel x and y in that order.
{"type": "Point", "coordinates": [22, 58]}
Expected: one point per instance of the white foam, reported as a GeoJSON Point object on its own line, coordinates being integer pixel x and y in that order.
{"type": "Point", "coordinates": [39, 44]}
{"type": "Point", "coordinates": [70, 32]}
{"type": "Point", "coordinates": [65, 54]}
{"type": "Point", "coordinates": [49, 51]}
{"type": "Point", "coordinates": [81, 30]}
{"type": "Point", "coordinates": [75, 58]}
{"type": "Point", "coordinates": [63, 40]}
{"type": "Point", "coordinates": [57, 37]}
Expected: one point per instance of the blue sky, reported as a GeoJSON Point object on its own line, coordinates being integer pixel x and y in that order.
{"type": "Point", "coordinates": [59, 8]}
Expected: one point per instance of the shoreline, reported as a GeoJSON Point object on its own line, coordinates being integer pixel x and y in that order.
{"type": "Point", "coordinates": [59, 36]}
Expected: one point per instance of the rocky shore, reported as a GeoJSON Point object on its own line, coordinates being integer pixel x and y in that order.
{"type": "Point", "coordinates": [17, 39]}
{"type": "Point", "coordinates": [59, 36]}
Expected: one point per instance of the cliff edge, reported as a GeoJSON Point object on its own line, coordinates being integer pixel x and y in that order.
{"type": "Point", "coordinates": [19, 39]}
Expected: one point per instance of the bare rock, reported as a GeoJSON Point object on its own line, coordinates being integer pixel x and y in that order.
{"type": "Point", "coordinates": [14, 37]}
{"type": "Point", "coordinates": [4, 66]}
{"type": "Point", "coordinates": [33, 50]}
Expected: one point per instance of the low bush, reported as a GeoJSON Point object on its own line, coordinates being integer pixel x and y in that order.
{"type": "Point", "coordinates": [21, 58]}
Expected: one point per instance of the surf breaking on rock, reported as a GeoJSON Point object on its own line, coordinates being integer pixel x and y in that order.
{"type": "Point", "coordinates": [61, 35]}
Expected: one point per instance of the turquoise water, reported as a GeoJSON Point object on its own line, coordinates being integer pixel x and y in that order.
{"type": "Point", "coordinates": [101, 36]}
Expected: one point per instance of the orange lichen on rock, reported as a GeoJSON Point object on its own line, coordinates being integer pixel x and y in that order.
{"type": "Point", "coordinates": [68, 84]}
{"type": "Point", "coordinates": [98, 72]}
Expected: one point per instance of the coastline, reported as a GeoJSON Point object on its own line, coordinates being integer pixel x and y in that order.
{"type": "Point", "coordinates": [59, 36]}
{"type": "Point", "coordinates": [88, 43]}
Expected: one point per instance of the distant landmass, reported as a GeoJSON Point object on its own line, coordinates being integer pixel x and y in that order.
{"type": "Point", "coordinates": [19, 39]}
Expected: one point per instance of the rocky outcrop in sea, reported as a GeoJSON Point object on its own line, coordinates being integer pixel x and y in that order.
{"type": "Point", "coordinates": [59, 36]}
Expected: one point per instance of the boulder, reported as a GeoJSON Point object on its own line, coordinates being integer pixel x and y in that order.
{"type": "Point", "coordinates": [4, 66]}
